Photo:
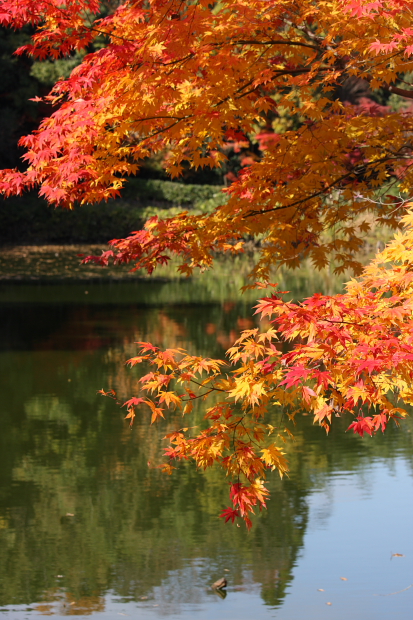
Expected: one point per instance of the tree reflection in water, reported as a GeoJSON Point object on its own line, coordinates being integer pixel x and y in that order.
{"type": "Point", "coordinates": [83, 509]}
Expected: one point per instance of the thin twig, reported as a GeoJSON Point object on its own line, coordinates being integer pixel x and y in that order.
{"type": "Point", "coordinates": [398, 591]}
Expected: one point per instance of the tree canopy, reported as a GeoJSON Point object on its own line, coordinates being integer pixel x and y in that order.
{"type": "Point", "coordinates": [192, 81]}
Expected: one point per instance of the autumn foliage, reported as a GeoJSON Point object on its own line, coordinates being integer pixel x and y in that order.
{"type": "Point", "coordinates": [191, 80]}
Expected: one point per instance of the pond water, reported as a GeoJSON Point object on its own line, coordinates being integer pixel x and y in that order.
{"type": "Point", "coordinates": [90, 527]}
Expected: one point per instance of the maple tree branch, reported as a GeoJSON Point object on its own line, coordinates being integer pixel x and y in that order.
{"type": "Point", "coordinates": [110, 34]}
{"type": "Point", "coordinates": [187, 400]}
{"type": "Point", "coordinates": [248, 435]}
{"type": "Point", "coordinates": [213, 387]}
{"type": "Point", "coordinates": [342, 322]}
{"type": "Point", "coordinates": [155, 118]}
{"type": "Point", "coordinates": [240, 89]}
{"type": "Point", "coordinates": [300, 201]}
{"type": "Point", "coordinates": [271, 42]}
{"type": "Point", "coordinates": [234, 450]}
{"type": "Point", "coordinates": [174, 62]}
{"type": "Point", "coordinates": [403, 92]}
{"type": "Point", "coordinates": [320, 192]}
{"type": "Point", "coordinates": [278, 74]}
{"type": "Point", "coordinates": [155, 133]}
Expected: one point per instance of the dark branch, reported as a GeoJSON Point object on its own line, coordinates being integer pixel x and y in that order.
{"type": "Point", "coordinates": [408, 94]}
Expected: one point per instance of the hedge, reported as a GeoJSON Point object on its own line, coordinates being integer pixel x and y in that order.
{"type": "Point", "coordinates": [28, 219]}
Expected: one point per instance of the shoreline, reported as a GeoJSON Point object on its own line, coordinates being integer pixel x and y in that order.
{"type": "Point", "coordinates": [60, 264]}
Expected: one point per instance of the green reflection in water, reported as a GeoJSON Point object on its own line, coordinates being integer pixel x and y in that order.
{"type": "Point", "coordinates": [83, 510]}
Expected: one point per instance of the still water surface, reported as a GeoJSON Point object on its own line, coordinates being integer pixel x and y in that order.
{"type": "Point", "coordinates": [90, 527]}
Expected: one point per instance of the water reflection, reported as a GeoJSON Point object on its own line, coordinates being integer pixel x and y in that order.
{"type": "Point", "coordinates": [88, 525]}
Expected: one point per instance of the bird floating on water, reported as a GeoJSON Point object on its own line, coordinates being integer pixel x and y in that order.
{"type": "Point", "coordinates": [218, 585]}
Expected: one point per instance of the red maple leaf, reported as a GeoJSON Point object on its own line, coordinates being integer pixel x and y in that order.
{"type": "Point", "coordinates": [132, 402]}
{"type": "Point", "coordinates": [362, 425]}
{"type": "Point", "coordinates": [229, 513]}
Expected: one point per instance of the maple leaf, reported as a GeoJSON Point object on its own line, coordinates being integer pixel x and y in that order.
{"type": "Point", "coordinates": [295, 375]}
{"type": "Point", "coordinates": [362, 425]}
{"type": "Point", "coordinates": [157, 412]}
{"type": "Point", "coordinates": [136, 360]}
{"type": "Point", "coordinates": [111, 393]}
{"type": "Point", "coordinates": [324, 412]}
{"type": "Point", "coordinates": [379, 420]}
{"type": "Point", "coordinates": [147, 346]}
{"type": "Point", "coordinates": [188, 408]}
{"type": "Point", "coordinates": [274, 458]}
{"type": "Point", "coordinates": [172, 453]}
{"type": "Point", "coordinates": [368, 364]}
{"type": "Point", "coordinates": [167, 468]}
{"type": "Point", "coordinates": [168, 398]}
{"type": "Point", "coordinates": [358, 391]}
{"type": "Point", "coordinates": [308, 394]}
{"type": "Point", "coordinates": [130, 415]}
{"type": "Point", "coordinates": [229, 513]}
{"type": "Point", "coordinates": [132, 402]}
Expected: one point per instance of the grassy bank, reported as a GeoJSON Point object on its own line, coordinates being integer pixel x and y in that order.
{"type": "Point", "coordinates": [61, 265]}
{"type": "Point", "coordinates": [41, 244]}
